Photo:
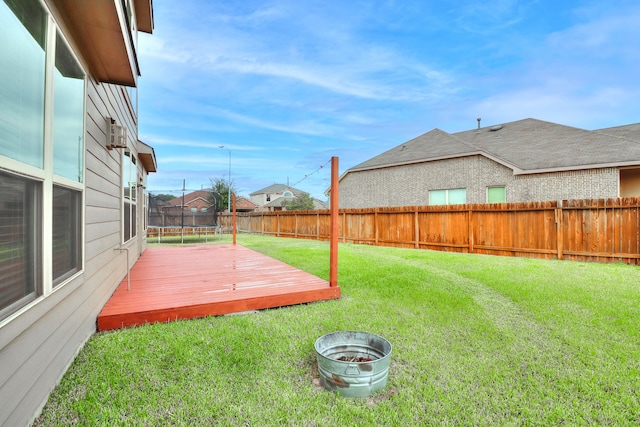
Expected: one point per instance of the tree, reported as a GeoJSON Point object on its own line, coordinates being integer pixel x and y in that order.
{"type": "Point", "coordinates": [221, 186]}
{"type": "Point", "coordinates": [164, 197]}
{"type": "Point", "coordinates": [302, 202]}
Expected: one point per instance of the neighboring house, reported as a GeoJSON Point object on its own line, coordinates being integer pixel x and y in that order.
{"type": "Point", "coordinates": [72, 205]}
{"type": "Point", "coordinates": [521, 161]}
{"type": "Point", "coordinates": [245, 205]}
{"type": "Point", "coordinates": [270, 198]}
{"type": "Point", "coordinates": [197, 201]}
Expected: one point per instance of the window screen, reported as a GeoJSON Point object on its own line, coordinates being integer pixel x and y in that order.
{"type": "Point", "coordinates": [457, 196]}
{"type": "Point", "coordinates": [22, 87]}
{"type": "Point", "coordinates": [66, 233]}
{"type": "Point", "coordinates": [438, 197]}
{"type": "Point", "coordinates": [454, 196]}
{"type": "Point", "coordinates": [20, 220]}
{"type": "Point", "coordinates": [496, 195]}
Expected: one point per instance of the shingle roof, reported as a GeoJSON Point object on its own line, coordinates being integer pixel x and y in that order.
{"type": "Point", "coordinates": [631, 131]}
{"type": "Point", "coordinates": [526, 146]}
{"type": "Point", "coordinates": [192, 197]}
{"type": "Point", "coordinates": [276, 188]}
{"type": "Point", "coordinates": [242, 203]}
{"type": "Point", "coordinates": [431, 145]}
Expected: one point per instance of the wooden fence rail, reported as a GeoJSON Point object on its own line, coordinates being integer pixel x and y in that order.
{"type": "Point", "coordinates": [605, 230]}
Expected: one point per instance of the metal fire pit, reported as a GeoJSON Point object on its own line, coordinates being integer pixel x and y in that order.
{"type": "Point", "coordinates": [353, 364]}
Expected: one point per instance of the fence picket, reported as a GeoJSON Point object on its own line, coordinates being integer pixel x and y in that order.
{"type": "Point", "coordinates": [585, 230]}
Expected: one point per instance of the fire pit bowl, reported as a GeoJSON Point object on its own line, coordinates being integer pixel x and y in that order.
{"type": "Point", "coordinates": [353, 364]}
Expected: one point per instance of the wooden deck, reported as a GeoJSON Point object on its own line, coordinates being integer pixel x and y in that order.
{"type": "Point", "coordinates": [185, 282]}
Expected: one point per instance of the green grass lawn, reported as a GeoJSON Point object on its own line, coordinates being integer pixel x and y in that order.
{"type": "Point", "coordinates": [477, 340]}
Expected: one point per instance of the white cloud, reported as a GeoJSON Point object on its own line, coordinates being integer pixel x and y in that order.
{"type": "Point", "coordinates": [156, 140]}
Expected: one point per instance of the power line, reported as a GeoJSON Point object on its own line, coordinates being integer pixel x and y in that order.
{"type": "Point", "coordinates": [312, 173]}
{"type": "Point", "coordinates": [210, 190]}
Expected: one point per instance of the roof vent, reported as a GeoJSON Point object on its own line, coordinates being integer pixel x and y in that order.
{"type": "Point", "coordinates": [479, 120]}
{"type": "Point", "coordinates": [495, 128]}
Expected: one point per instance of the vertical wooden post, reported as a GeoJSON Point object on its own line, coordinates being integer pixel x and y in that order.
{"type": "Point", "coordinates": [559, 230]}
{"type": "Point", "coordinates": [333, 254]}
{"type": "Point", "coordinates": [235, 218]}
{"type": "Point", "coordinates": [375, 227]}
{"type": "Point", "coordinates": [470, 231]}
{"type": "Point", "coordinates": [416, 229]}
{"type": "Point", "coordinates": [344, 227]}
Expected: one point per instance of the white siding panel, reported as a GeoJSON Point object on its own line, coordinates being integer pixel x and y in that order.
{"type": "Point", "coordinates": [38, 345]}
{"type": "Point", "coordinates": [97, 215]}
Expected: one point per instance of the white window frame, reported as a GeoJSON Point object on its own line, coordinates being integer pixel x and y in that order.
{"type": "Point", "coordinates": [504, 187]}
{"type": "Point", "coordinates": [446, 192]}
{"type": "Point", "coordinates": [129, 163]}
{"type": "Point", "coordinates": [47, 178]}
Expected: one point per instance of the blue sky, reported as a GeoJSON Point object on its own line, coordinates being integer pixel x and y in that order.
{"type": "Point", "coordinates": [287, 84]}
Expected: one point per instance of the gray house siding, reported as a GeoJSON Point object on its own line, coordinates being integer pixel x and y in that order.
{"type": "Point", "coordinates": [39, 341]}
{"type": "Point", "coordinates": [38, 345]}
{"type": "Point", "coordinates": [409, 185]}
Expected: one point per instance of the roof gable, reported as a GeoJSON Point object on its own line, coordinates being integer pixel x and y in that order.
{"type": "Point", "coordinates": [432, 145]}
{"type": "Point", "coordinates": [275, 189]}
{"type": "Point", "coordinates": [201, 198]}
{"type": "Point", "coordinates": [525, 146]}
{"type": "Point", "coordinates": [243, 203]}
{"type": "Point", "coordinates": [631, 131]}
{"type": "Point", "coordinates": [536, 145]}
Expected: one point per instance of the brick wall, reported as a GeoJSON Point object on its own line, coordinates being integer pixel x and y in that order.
{"type": "Point", "coordinates": [409, 185]}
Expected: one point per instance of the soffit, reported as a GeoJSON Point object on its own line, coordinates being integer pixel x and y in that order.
{"type": "Point", "coordinates": [144, 15]}
{"type": "Point", "coordinates": [100, 31]}
{"type": "Point", "coordinates": [147, 156]}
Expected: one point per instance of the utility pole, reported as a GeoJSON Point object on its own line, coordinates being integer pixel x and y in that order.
{"type": "Point", "coordinates": [229, 180]}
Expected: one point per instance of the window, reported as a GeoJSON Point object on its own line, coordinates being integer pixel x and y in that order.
{"type": "Point", "coordinates": [456, 196]}
{"type": "Point", "coordinates": [41, 156]}
{"type": "Point", "coordinates": [66, 236]}
{"type": "Point", "coordinates": [20, 227]}
{"type": "Point", "coordinates": [130, 188]}
{"type": "Point", "coordinates": [496, 195]}
{"type": "Point", "coordinates": [68, 114]}
{"type": "Point", "coordinates": [146, 210]}
{"type": "Point", "coordinates": [22, 61]}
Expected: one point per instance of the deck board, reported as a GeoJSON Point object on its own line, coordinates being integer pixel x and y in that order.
{"type": "Point", "coordinates": [174, 283]}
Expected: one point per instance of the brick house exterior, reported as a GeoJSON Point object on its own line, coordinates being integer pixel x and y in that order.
{"type": "Point", "coordinates": [269, 199]}
{"type": "Point", "coordinates": [530, 160]}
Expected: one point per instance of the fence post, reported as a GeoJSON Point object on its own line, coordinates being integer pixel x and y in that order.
{"type": "Point", "coordinates": [559, 230]}
{"type": "Point", "coordinates": [333, 252]}
{"type": "Point", "coordinates": [235, 218]}
{"type": "Point", "coordinates": [470, 231]}
{"type": "Point", "coordinates": [375, 226]}
{"type": "Point", "coordinates": [344, 227]}
{"type": "Point", "coordinates": [416, 229]}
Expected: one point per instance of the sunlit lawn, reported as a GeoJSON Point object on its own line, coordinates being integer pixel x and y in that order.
{"type": "Point", "coordinates": [477, 340]}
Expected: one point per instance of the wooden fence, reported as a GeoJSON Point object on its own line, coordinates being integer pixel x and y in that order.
{"type": "Point", "coordinates": [582, 230]}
